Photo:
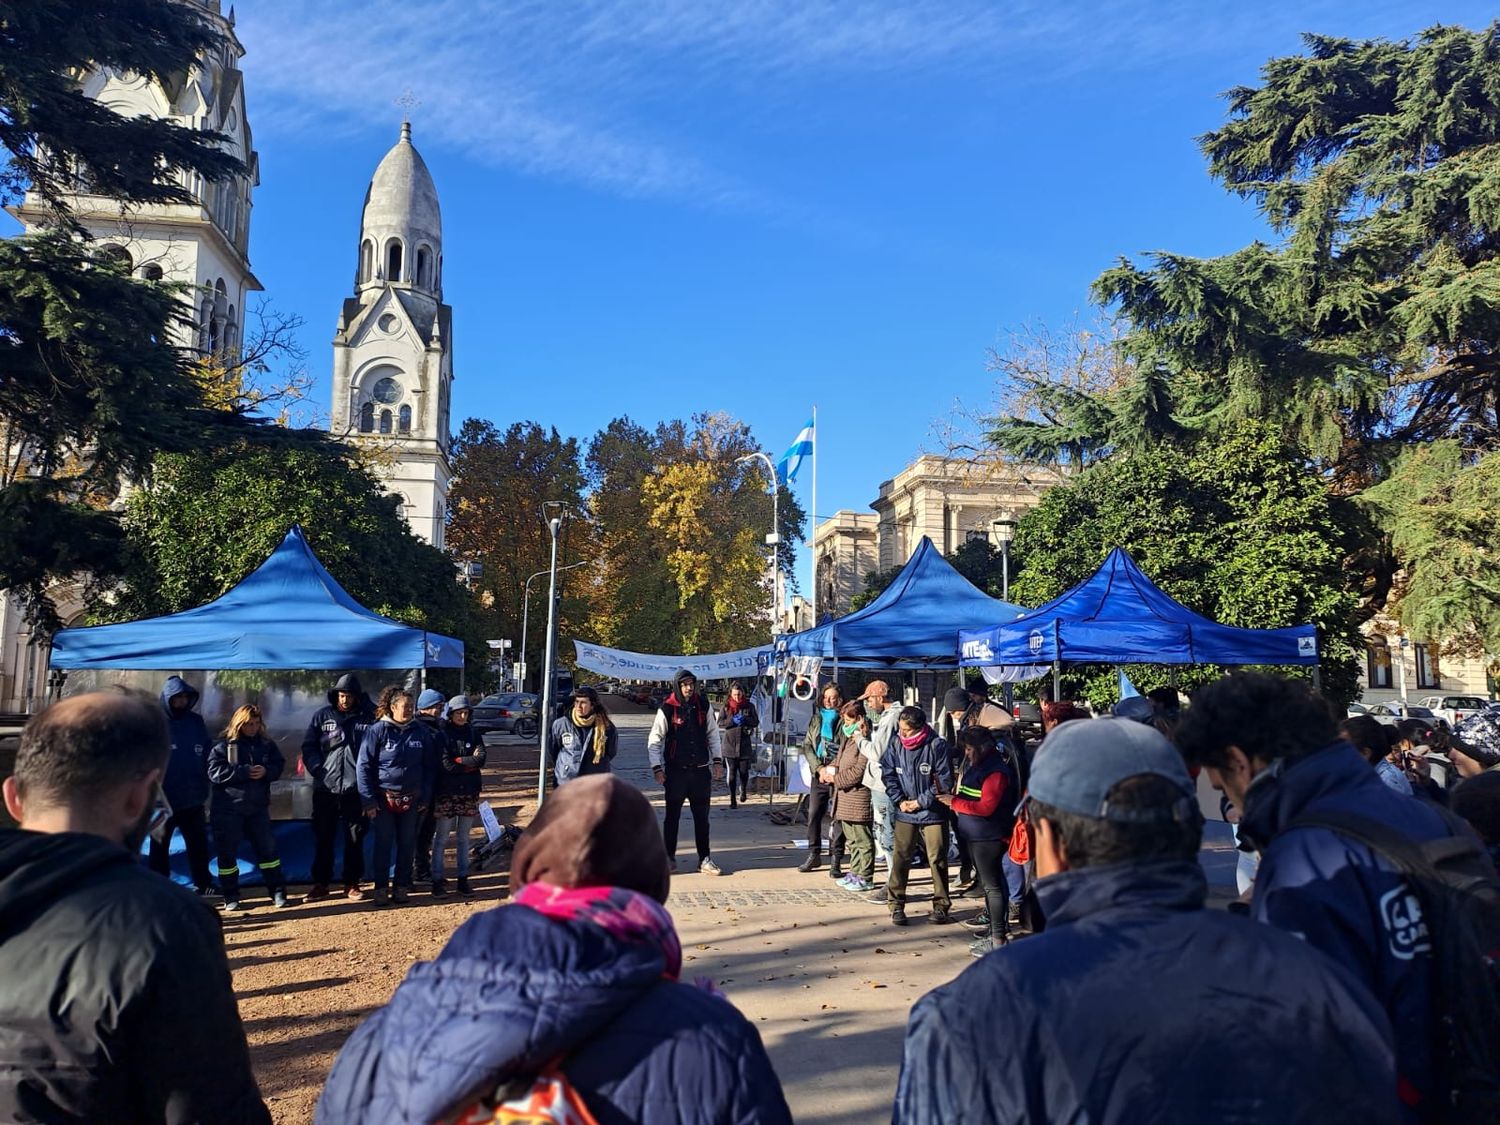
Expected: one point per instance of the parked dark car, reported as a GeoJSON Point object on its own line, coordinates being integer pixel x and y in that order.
{"type": "Point", "coordinates": [658, 694]}
{"type": "Point", "coordinates": [511, 713]}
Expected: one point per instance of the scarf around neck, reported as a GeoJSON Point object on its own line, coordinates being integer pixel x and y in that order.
{"type": "Point", "coordinates": [912, 741]}
{"type": "Point", "coordinates": [626, 915]}
{"type": "Point", "coordinates": [733, 705]}
{"type": "Point", "coordinates": [600, 727]}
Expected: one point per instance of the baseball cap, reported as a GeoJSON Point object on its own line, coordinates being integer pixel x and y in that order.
{"type": "Point", "coordinates": [1080, 762]}
{"type": "Point", "coordinates": [874, 688]}
{"type": "Point", "coordinates": [1136, 707]}
{"type": "Point", "coordinates": [429, 698]}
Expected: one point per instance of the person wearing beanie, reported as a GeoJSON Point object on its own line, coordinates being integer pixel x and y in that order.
{"type": "Point", "coordinates": [682, 747]}
{"type": "Point", "coordinates": [455, 792]}
{"type": "Point", "coordinates": [430, 705]}
{"type": "Point", "coordinates": [1474, 747]}
{"type": "Point", "coordinates": [396, 780]}
{"type": "Point", "coordinates": [579, 976]}
{"type": "Point", "coordinates": [582, 740]}
{"type": "Point", "coordinates": [329, 751]}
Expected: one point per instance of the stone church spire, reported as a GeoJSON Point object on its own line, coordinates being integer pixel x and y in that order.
{"type": "Point", "coordinates": [392, 358]}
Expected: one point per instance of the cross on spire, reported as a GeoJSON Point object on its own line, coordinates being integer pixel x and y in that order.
{"type": "Point", "coordinates": [406, 103]}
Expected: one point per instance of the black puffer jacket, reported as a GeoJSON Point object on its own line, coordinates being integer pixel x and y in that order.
{"type": "Point", "coordinates": [117, 1004]}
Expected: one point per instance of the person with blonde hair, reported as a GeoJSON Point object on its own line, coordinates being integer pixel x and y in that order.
{"type": "Point", "coordinates": [241, 767]}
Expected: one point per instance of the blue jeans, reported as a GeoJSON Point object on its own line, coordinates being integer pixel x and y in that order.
{"type": "Point", "coordinates": [399, 829]}
{"type": "Point", "coordinates": [464, 825]}
{"type": "Point", "coordinates": [1015, 877]}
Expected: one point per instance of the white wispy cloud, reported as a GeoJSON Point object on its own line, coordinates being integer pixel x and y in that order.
{"type": "Point", "coordinates": [603, 92]}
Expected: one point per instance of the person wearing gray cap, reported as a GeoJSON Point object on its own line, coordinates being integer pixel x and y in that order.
{"type": "Point", "coordinates": [1136, 1003]}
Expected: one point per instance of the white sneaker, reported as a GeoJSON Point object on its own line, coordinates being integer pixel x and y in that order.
{"type": "Point", "coordinates": [709, 867]}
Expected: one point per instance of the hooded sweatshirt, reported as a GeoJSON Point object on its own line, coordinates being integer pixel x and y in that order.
{"type": "Point", "coordinates": [514, 990]}
{"type": "Point", "coordinates": [331, 745]}
{"type": "Point", "coordinates": [107, 963]}
{"type": "Point", "coordinates": [186, 780]}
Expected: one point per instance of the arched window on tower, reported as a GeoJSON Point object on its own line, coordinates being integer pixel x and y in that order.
{"type": "Point", "coordinates": [116, 254]}
{"type": "Point", "coordinates": [366, 260]}
{"type": "Point", "coordinates": [405, 422]}
{"type": "Point", "coordinates": [151, 272]}
{"type": "Point", "coordinates": [367, 418]}
{"type": "Point", "coordinates": [385, 421]}
{"type": "Point", "coordinates": [393, 260]}
{"type": "Point", "coordinates": [424, 267]}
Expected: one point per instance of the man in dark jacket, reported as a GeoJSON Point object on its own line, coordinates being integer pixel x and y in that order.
{"type": "Point", "coordinates": [683, 743]}
{"type": "Point", "coordinates": [1272, 748]}
{"type": "Point", "coordinates": [1137, 1004]}
{"type": "Point", "coordinates": [117, 1003]}
{"type": "Point", "coordinates": [185, 785]}
{"type": "Point", "coordinates": [329, 751]}
{"type": "Point", "coordinates": [915, 767]}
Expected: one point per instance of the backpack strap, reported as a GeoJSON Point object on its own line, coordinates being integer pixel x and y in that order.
{"type": "Point", "coordinates": [1410, 857]}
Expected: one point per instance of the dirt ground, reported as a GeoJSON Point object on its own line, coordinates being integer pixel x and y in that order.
{"type": "Point", "coordinates": [307, 975]}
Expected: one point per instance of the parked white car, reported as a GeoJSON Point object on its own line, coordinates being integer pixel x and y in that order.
{"type": "Point", "coordinates": [1453, 709]}
{"type": "Point", "coordinates": [1392, 713]}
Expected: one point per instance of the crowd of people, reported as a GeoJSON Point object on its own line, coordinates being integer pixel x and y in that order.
{"type": "Point", "coordinates": [1356, 980]}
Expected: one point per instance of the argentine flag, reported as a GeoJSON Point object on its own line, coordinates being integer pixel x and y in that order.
{"type": "Point", "coordinates": [791, 460]}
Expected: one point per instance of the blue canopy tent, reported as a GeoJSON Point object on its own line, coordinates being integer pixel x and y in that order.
{"type": "Point", "coordinates": [910, 625]}
{"type": "Point", "coordinates": [288, 613]}
{"type": "Point", "coordinates": [1119, 616]}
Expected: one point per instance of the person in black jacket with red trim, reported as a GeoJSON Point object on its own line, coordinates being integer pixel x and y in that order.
{"type": "Point", "coordinates": [683, 743]}
{"type": "Point", "coordinates": [985, 804]}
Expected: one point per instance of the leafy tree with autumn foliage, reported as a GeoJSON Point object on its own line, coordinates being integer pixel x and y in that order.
{"type": "Point", "coordinates": [501, 481]}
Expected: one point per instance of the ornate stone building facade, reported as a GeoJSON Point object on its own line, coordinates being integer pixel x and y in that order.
{"type": "Point", "coordinates": [946, 499]}
{"type": "Point", "coordinates": [392, 352]}
{"type": "Point", "coordinates": [203, 243]}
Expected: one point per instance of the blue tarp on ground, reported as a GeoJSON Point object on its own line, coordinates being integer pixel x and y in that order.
{"type": "Point", "coordinates": [288, 613]}
{"type": "Point", "coordinates": [1119, 616]}
{"type": "Point", "coordinates": [913, 623]}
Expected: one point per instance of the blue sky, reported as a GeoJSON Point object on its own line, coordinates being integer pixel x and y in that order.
{"type": "Point", "coordinates": [654, 207]}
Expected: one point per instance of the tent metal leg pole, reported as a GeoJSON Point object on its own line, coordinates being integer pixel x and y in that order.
{"type": "Point", "coordinates": [1317, 670]}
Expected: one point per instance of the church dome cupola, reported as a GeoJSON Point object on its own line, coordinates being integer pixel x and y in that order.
{"type": "Point", "coordinates": [401, 229]}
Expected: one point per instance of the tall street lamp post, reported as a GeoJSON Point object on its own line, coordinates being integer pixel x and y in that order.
{"type": "Point", "coordinates": [526, 613]}
{"type": "Point", "coordinates": [774, 539]}
{"type": "Point", "coordinates": [1005, 533]}
{"type": "Point", "coordinates": [544, 714]}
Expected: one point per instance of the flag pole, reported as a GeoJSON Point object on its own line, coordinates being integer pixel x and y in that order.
{"type": "Point", "coordinates": [813, 520]}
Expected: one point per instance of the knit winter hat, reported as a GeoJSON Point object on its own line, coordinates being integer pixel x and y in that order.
{"type": "Point", "coordinates": [956, 699]}
{"type": "Point", "coordinates": [595, 831]}
{"type": "Point", "coordinates": [1479, 736]}
{"type": "Point", "coordinates": [429, 698]}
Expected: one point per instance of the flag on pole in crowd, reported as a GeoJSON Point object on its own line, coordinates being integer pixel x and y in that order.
{"type": "Point", "coordinates": [1127, 689]}
{"type": "Point", "coordinates": [801, 449]}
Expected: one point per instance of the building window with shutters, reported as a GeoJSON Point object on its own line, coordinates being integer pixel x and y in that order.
{"type": "Point", "coordinates": [1378, 663]}
{"type": "Point", "coordinates": [1428, 674]}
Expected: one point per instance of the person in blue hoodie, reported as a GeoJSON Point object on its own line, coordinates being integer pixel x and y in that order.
{"type": "Point", "coordinates": [1272, 747]}
{"type": "Point", "coordinates": [396, 775]}
{"type": "Point", "coordinates": [185, 786]}
{"type": "Point", "coordinates": [575, 987]}
{"type": "Point", "coordinates": [1137, 1004]}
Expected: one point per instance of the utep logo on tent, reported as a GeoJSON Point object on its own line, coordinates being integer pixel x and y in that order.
{"type": "Point", "coordinates": [978, 650]}
{"type": "Point", "coordinates": [432, 650]}
{"type": "Point", "coordinates": [1036, 641]}
{"type": "Point", "coordinates": [1307, 646]}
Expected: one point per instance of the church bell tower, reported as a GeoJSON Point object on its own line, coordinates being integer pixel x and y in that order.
{"type": "Point", "coordinates": [392, 353]}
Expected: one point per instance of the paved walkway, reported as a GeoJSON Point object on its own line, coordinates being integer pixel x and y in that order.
{"type": "Point", "coordinates": [823, 974]}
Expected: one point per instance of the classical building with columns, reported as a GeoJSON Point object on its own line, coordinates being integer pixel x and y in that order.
{"type": "Point", "coordinates": [947, 499]}
{"type": "Point", "coordinates": [203, 243]}
{"type": "Point", "coordinates": [393, 350]}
